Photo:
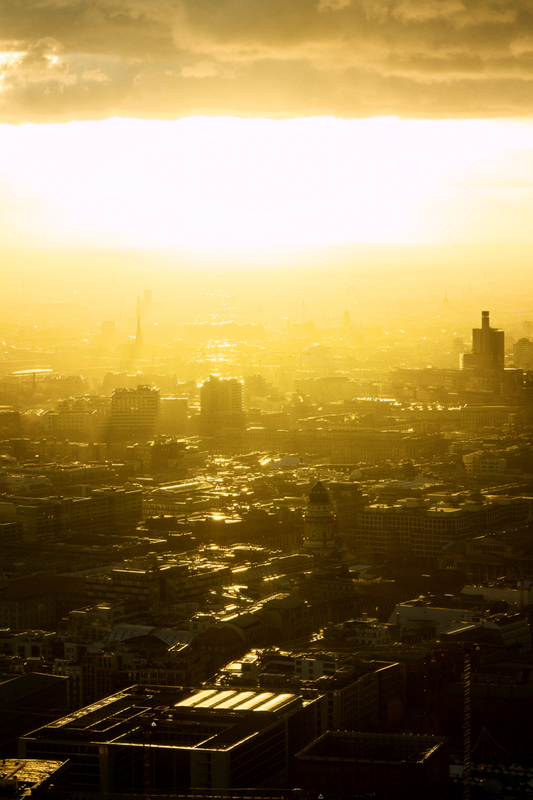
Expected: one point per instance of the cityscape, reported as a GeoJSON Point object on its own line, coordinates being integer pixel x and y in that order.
{"type": "Point", "coordinates": [267, 556]}
{"type": "Point", "coordinates": [266, 400]}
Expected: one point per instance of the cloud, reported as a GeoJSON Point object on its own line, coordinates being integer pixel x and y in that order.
{"type": "Point", "coordinates": [333, 5]}
{"type": "Point", "coordinates": [80, 59]}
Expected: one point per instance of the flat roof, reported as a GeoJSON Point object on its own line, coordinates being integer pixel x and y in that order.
{"type": "Point", "coordinates": [355, 746]}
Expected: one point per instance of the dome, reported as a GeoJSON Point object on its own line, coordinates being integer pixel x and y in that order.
{"type": "Point", "coordinates": [319, 494]}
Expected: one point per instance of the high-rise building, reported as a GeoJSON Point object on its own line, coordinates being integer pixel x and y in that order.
{"type": "Point", "coordinates": [134, 413]}
{"type": "Point", "coordinates": [221, 406]}
{"type": "Point", "coordinates": [487, 347]}
{"type": "Point", "coordinates": [523, 354]}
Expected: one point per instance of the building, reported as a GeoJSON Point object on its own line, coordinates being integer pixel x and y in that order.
{"type": "Point", "coordinates": [319, 522]}
{"type": "Point", "coordinates": [490, 556]}
{"type": "Point", "coordinates": [100, 511]}
{"type": "Point", "coordinates": [358, 693]}
{"type": "Point", "coordinates": [134, 414]}
{"type": "Point", "coordinates": [487, 347]}
{"type": "Point", "coordinates": [80, 419]}
{"type": "Point", "coordinates": [181, 498]}
{"type": "Point", "coordinates": [26, 702]}
{"type": "Point", "coordinates": [483, 464]}
{"type": "Point", "coordinates": [173, 415]}
{"type": "Point", "coordinates": [39, 601]}
{"type": "Point", "coordinates": [33, 779]}
{"type": "Point", "coordinates": [393, 766]}
{"type": "Point", "coordinates": [221, 406]}
{"type": "Point", "coordinates": [523, 354]}
{"type": "Point", "coordinates": [361, 632]}
{"type": "Point", "coordinates": [425, 525]}
{"type": "Point", "coordinates": [147, 587]}
{"type": "Point", "coordinates": [166, 740]}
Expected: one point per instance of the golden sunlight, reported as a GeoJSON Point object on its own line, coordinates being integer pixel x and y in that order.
{"type": "Point", "coordinates": [208, 181]}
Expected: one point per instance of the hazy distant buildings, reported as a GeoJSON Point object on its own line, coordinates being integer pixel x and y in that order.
{"type": "Point", "coordinates": [80, 419]}
{"type": "Point", "coordinates": [317, 360]}
{"type": "Point", "coordinates": [487, 347]}
{"type": "Point", "coordinates": [134, 413]}
{"type": "Point", "coordinates": [523, 354]}
{"type": "Point", "coordinates": [173, 415]}
{"type": "Point", "coordinates": [221, 406]}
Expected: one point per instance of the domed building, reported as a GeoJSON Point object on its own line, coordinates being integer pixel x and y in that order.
{"type": "Point", "coordinates": [319, 522]}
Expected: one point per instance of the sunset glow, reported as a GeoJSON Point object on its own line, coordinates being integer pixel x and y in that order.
{"type": "Point", "coordinates": [207, 181]}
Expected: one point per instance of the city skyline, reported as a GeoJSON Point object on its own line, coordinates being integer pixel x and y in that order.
{"type": "Point", "coordinates": [266, 398]}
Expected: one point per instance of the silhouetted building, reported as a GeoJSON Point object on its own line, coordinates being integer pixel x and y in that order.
{"type": "Point", "coordinates": [487, 347]}
{"type": "Point", "coordinates": [393, 766]}
{"type": "Point", "coordinates": [39, 601]}
{"type": "Point", "coordinates": [26, 702]}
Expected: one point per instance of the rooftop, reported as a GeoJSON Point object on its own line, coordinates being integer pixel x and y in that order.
{"type": "Point", "coordinates": [344, 745]}
{"type": "Point", "coordinates": [210, 718]}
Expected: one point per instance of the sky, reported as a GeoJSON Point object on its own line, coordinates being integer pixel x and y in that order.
{"type": "Point", "coordinates": [163, 123]}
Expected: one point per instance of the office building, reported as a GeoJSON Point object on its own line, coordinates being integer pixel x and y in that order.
{"type": "Point", "coordinates": [165, 740]}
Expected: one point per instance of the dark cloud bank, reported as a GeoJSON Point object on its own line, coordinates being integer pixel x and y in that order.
{"type": "Point", "coordinates": [91, 59]}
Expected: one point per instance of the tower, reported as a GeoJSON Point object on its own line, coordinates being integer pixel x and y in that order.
{"type": "Point", "coordinates": [137, 344]}
{"type": "Point", "coordinates": [487, 347]}
{"type": "Point", "coordinates": [319, 522]}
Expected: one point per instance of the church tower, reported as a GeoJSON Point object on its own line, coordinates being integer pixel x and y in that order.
{"type": "Point", "coordinates": [319, 522]}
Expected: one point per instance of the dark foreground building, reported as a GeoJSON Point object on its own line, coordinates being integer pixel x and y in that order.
{"type": "Point", "coordinates": [176, 739]}
{"type": "Point", "coordinates": [390, 766]}
{"type": "Point", "coordinates": [26, 701]}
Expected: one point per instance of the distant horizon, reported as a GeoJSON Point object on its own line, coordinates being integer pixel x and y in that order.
{"type": "Point", "coordinates": [224, 182]}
